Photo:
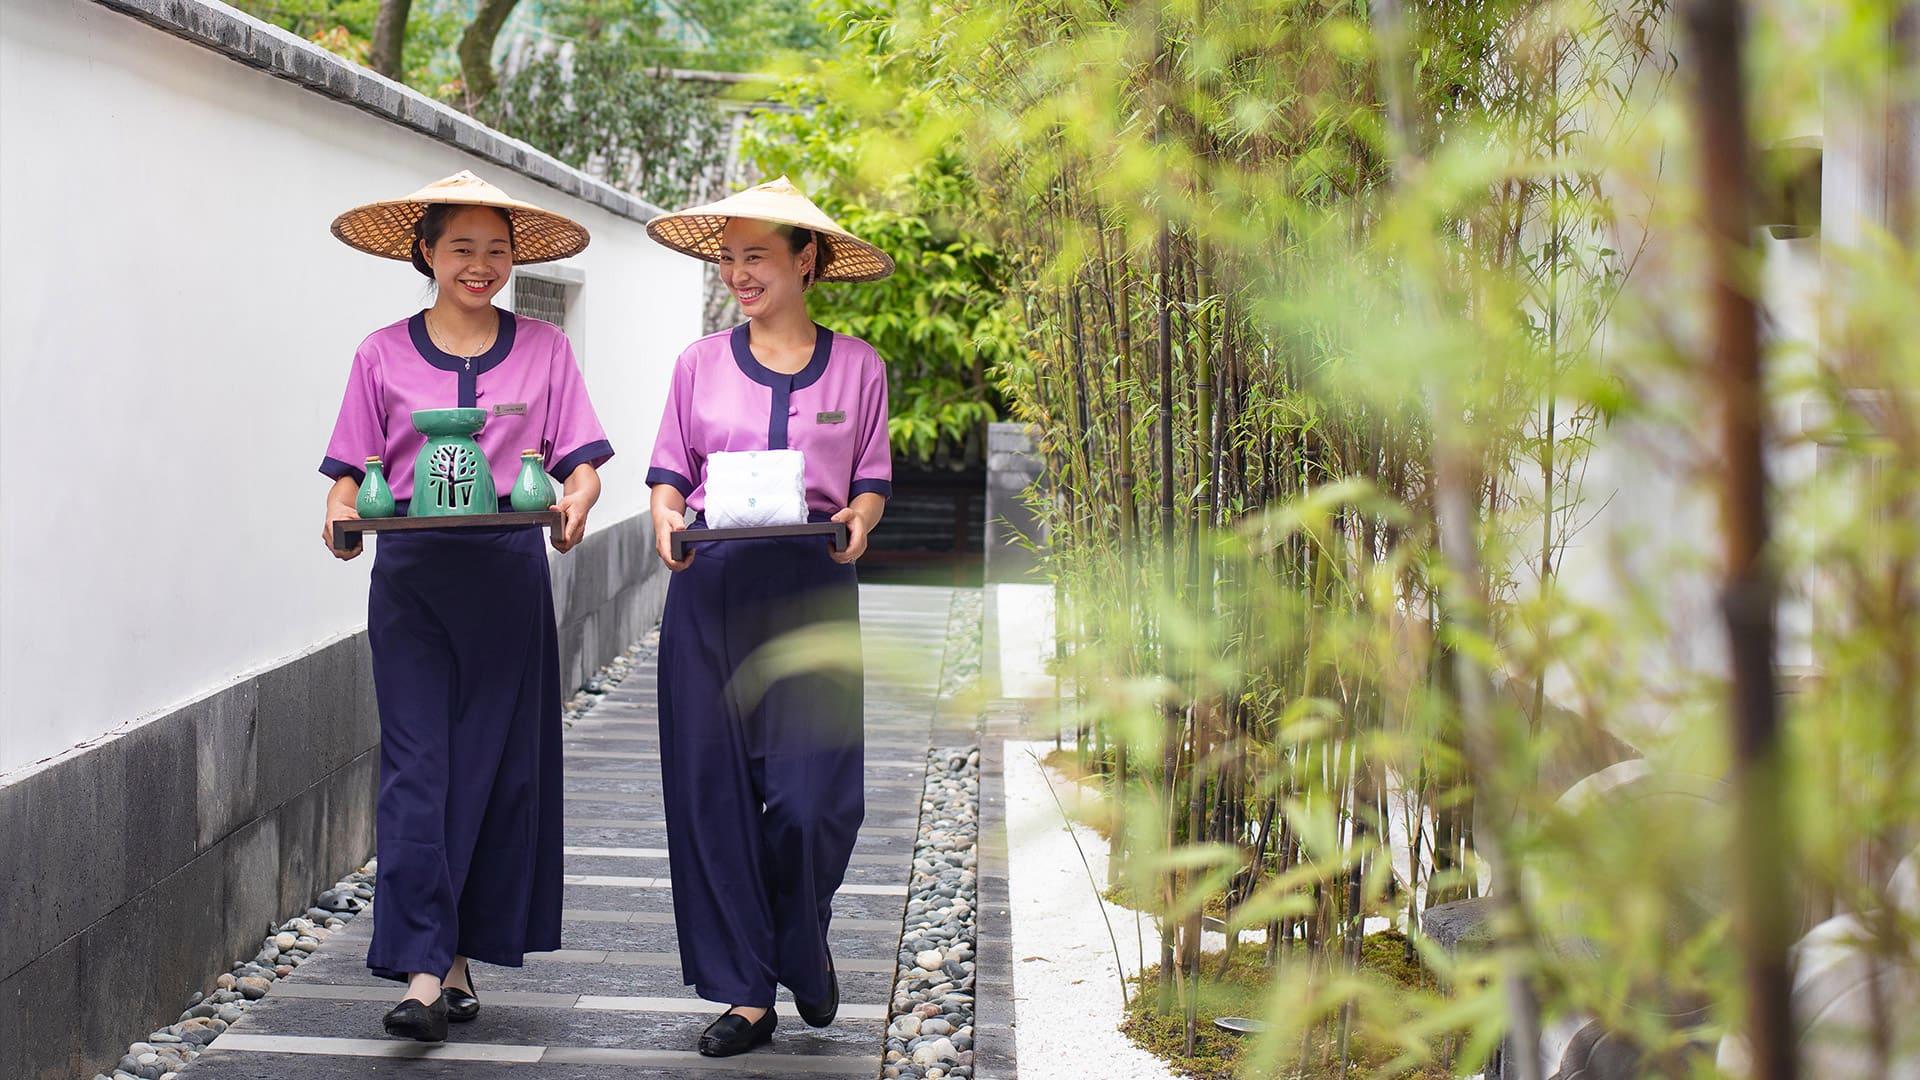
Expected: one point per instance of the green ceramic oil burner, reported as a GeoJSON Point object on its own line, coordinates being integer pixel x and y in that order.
{"type": "Point", "coordinates": [532, 491]}
{"type": "Point", "coordinates": [451, 475]}
{"type": "Point", "coordinates": [376, 498]}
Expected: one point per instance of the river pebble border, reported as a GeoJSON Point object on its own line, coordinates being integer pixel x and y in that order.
{"type": "Point", "coordinates": [960, 671]}
{"type": "Point", "coordinates": [166, 1051]}
{"type": "Point", "coordinates": [930, 1029]}
{"type": "Point", "coordinates": [615, 673]}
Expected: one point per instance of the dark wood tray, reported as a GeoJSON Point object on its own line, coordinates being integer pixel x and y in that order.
{"type": "Point", "coordinates": [834, 531]}
{"type": "Point", "coordinates": [344, 532]}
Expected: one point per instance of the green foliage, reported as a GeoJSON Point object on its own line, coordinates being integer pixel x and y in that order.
{"type": "Point", "coordinates": [595, 107]}
{"type": "Point", "coordinates": [1242, 988]}
{"type": "Point", "coordinates": [717, 35]}
{"type": "Point", "coordinates": [632, 39]}
{"type": "Point", "coordinates": [1312, 598]}
{"type": "Point", "coordinates": [345, 28]}
{"type": "Point", "coordinates": [944, 318]}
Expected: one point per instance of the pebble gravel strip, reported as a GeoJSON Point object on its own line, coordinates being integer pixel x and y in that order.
{"type": "Point", "coordinates": [930, 1030]}
{"type": "Point", "coordinates": [615, 673]}
{"type": "Point", "coordinates": [162, 1054]}
{"type": "Point", "coordinates": [960, 672]}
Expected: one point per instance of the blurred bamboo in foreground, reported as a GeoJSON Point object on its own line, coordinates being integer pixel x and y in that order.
{"type": "Point", "coordinates": [1330, 311]}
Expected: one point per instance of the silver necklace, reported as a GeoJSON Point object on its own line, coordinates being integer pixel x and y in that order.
{"type": "Point", "coordinates": [465, 360]}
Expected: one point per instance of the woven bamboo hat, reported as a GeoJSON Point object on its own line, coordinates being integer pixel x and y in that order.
{"type": "Point", "coordinates": [696, 230]}
{"type": "Point", "coordinates": [386, 228]}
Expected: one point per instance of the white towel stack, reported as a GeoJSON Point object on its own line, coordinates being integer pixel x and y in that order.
{"type": "Point", "coordinates": [751, 488]}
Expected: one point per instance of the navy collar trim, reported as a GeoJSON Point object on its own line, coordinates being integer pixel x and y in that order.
{"type": "Point", "coordinates": [445, 361]}
{"type": "Point", "coordinates": [765, 376]}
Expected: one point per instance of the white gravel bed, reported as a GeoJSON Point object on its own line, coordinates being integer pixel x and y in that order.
{"type": "Point", "coordinates": [1066, 978]}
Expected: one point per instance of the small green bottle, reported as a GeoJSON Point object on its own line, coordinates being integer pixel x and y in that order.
{"type": "Point", "coordinates": [376, 498]}
{"type": "Point", "coordinates": [532, 491]}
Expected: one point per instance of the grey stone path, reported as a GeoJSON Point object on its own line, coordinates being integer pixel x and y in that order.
{"type": "Point", "coordinates": [611, 1002]}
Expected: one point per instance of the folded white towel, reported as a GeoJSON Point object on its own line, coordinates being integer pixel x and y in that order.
{"type": "Point", "coordinates": [751, 488]}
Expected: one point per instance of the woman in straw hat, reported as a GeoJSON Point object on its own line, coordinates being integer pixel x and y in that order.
{"type": "Point", "coordinates": [465, 655]}
{"type": "Point", "coordinates": [763, 795]}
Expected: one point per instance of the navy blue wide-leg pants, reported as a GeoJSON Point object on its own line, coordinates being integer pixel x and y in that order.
{"type": "Point", "coordinates": [763, 783]}
{"type": "Point", "coordinates": [466, 664]}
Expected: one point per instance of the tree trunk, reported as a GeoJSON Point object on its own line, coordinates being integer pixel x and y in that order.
{"type": "Point", "coordinates": [390, 38]}
{"type": "Point", "coordinates": [476, 50]}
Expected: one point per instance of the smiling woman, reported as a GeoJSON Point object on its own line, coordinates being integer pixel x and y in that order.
{"type": "Point", "coordinates": [461, 623]}
{"type": "Point", "coordinates": [757, 257]}
{"type": "Point", "coordinates": [468, 252]}
{"type": "Point", "coordinates": [767, 793]}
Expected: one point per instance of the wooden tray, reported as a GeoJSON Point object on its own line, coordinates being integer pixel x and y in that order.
{"type": "Point", "coordinates": [344, 532]}
{"type": "Point", "coordinates": [834, 531]}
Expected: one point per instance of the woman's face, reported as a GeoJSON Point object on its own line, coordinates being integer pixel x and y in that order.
{"type": "Point", "coordinates": [473, 258]}
{"type": "Point", "coordinates": [761, 268]}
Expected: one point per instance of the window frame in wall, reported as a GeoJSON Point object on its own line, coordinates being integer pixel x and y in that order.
{"type": "Point", "coordinates": [572, 282]}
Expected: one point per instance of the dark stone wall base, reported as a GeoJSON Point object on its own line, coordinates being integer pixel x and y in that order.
{"type": "Point", "coordinates": [140, 867]}
{"type": "Point", "coordinates": [135, 870]}
{"type": "Point", "coordinates": [606, 594]}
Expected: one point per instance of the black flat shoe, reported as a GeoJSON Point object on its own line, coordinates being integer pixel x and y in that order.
{"type": "Point", "coordinates": [462, 1006]}
{"type": "Point", "coordinates": [417, 1020]}
{"type": "Point", "coordinates": [820, 1015]}
{"type": "Point", "coordinates": [735, 1034]}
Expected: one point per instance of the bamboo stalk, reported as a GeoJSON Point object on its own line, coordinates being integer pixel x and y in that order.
{"type": "Point", "coordinates": [1171, 750]}
{"type": "Point", "coordinates": [1454, 509]}
{"type": "Point", "coordinates": [1715, 31]}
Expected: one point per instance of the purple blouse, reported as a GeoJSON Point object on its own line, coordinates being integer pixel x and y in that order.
{"type": "Point", "coordinates": [528, 381]}
{"type": "Point", "coordinates": [834, 411]}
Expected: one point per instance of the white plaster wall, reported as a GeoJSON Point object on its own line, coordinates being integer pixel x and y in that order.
{"type": "Point", "coordinates": [1648, 552]}
{"type": "Point", "coordinates": [176, 325]}
{"type": "Point", "coordinates": [1647, 548]}
{"type": "Point", "coordinates": [1654, 532]}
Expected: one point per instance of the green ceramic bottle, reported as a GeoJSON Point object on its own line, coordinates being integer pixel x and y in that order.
{"type": "Point", "coordinates": [451, 476]}
{"type": "Point", "coordinates": [376, 498]}
{"type": "Point", "coordinates": [532, 491]}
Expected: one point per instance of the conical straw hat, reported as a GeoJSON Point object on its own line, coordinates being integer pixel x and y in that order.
{"type": "Point", "coordinates": [386, 228]}
{"type": "Point", "coordinates": [696, 230]}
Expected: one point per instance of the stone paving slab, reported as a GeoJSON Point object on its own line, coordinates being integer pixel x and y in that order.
{"type": "Point", "coordinates": [619, 980]}
{"type": "Point", "coordinates": [659, 825]}
{"type": "Point", "coordinates": [635, 779]}
{"type": "Point", "coordinates": [651, 918]}
{"type": "Point", "coordinates": [242, 1065]}
{"type": "Point", "coordinates": [584, 760]}
{"type": "Point", "coordinates": [612, 1002]}
{"type": "Point", "coordinates": [868, 848]}
{"type": "Point", "coordinates": [638, 741]}
{"type": "Point", "coordinates": [565, 1061]}
{"type": "Point", "coordinates": [630, 898]}
{"type": "Point", "coordinates": [847, 942]}
{"type": "Point", "coordinates": [887, 873]}
{"type": "Point", "coordinates": [563, 1026]}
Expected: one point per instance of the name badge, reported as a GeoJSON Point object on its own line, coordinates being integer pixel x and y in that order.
{"type": "Point", "coordinates": [510, 408]}
{"type": "Point", "coordinates": [835, 417]}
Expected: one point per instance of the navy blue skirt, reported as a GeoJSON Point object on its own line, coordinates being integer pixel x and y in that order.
{"type": "Point", "coordinates": [466, 664]}
{"type": "Point", "coordinates": [763, 783]}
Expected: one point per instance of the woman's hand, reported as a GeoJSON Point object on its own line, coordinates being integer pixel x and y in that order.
{"type": "Point", "coordinates": [860, 519]}
{"type": "Point", "coordinates": [582, 491]}
{"type": "Point", "coordinates": [669, 517]}
{"type": "Point", "coordinates": [340, 507]}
